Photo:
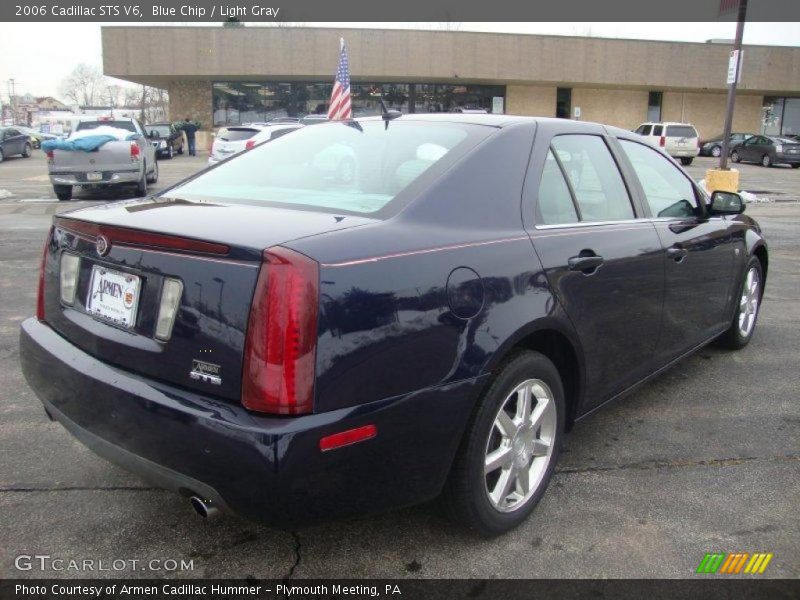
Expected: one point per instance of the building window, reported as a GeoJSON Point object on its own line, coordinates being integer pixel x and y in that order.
{"type": "Point", "coordinates": [780, 116]}
{"type": "Point", "coordinates": [563, 103]}
{"type": "Point", "coordinates": [654, 106]}
{"type": "Point", "coordinates": [235, 103]}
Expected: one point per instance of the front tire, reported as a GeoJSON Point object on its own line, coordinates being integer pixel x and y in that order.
{"type": "Point", "coordinates": [510, 447]}
{"type": "Point", "coordinates": [686, 161]}
{"type": "Point", "coordinates": [26, 153]}
{"type": "Point", "coordinates": [744, 321]}
{"type": "Point", "coordinates": [63, 192]}
{"type": "Point", "coordinates": [170, 152]}
{"type": "Point", "coordinates": [735, 156]}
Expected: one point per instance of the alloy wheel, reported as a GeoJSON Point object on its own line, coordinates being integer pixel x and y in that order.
{"type": "Point", "coordinates": [520, 445]}
{"type": "Point", "coordinates": [765, 160]}
{"type": "Point", "coordinates": [748, 303]}
{"type": "Point", "coordinates": [716, 151]}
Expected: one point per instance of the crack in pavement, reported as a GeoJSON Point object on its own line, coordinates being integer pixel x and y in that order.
{"type": "Point", "coordinates": [662, 464]}
{"type": "Point", "coordinates": [297, 556]}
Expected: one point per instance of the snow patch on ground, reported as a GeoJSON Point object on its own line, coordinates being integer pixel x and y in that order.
{"type": "Point", "coordinates": [5, 194]}
{"type": "Point", "coordinates": [748, 197]}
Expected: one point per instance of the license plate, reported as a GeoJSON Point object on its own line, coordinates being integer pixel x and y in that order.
{"type": "Point", "coordinates": [94, 176]}
{"type": "Point", "coordinates": [113, 296]}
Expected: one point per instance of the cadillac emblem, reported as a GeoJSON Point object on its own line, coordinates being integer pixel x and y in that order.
{"type": "Point", "coordinates": [102, 245]}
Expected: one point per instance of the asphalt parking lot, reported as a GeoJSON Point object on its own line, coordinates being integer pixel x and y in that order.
{"type": "Point", "coordinates": [706, 458]}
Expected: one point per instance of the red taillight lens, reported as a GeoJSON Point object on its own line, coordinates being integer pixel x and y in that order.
{"type": "Point", "coordinates": [249, 144]}
{"type": "Point", "coordinates": [40, 291]}
{"type": "Point", "coordinates": [49, 154]}
{"type": "Point", "coordinates": [281, 342]}
{"type": "Point", "coordinates": [662, 141]}
{"type": "Point", "coordinates": [135, 151]}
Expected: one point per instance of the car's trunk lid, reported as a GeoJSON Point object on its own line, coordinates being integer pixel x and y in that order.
{"type": "Point", "coordinates": [213, 250]}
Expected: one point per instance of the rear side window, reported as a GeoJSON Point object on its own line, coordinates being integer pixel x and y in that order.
{"type": "Point", "coordinates": [595, 179]}
{"type": "Point", "coordinates": [554, 206]}
{"type": "Point", "coordinates": [658, 130]}
{"type": "Point", "coordinates": [236, 135]}
{"type": "Point", "coordinates": [668, 192]}
{"type": "Point", "coordinates": [681, 131]}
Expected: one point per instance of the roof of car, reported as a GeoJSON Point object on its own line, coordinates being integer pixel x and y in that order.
{"type": "Point", "coordinates": [471, 118]}
{"type": "Point", "coordinates": [666, 123]}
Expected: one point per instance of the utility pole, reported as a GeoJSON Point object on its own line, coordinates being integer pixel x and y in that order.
{"type": "Point", "coordinates": [737, 49]}
{"type": "Point", "coordinates": [13, 99]}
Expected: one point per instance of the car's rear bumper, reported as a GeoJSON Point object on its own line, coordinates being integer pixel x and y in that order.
{"type": "Point", "coordinates": [108, 178]}
{"type": "Point", "coordinates": [264, 468]}
{"type": "Point", "coordinates": [787, 159]}
{"type": "Point", "coordinates": [683, 153]}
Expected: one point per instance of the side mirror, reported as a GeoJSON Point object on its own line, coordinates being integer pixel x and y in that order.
{"type": "Point", "coordinates": [726, 203]}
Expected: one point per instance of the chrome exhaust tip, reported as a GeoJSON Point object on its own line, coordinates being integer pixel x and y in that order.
{"type": "Point", "coordinates": [204, 508]}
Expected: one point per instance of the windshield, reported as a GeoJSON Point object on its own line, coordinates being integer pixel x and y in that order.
{"type": "Point", "coordinates": [162, 130]}
{"type": "Point", "coordinates": [236, 134]}
{"type": "Point", "coordinates": [126, 125]}
{"type": "Point", "coordinates": [681, 131]}
{"type": "Point", "coordinates": [356, 167]}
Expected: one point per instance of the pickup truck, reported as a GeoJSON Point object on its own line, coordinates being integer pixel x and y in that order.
{"type": "Point", "coordinates": [115, 163]}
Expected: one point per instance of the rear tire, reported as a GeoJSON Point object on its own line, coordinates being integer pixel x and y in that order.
{"type": "Point", "coordinates": [180, 150]}
{"type": "Point", "coordinates": [749, 303]}
{"type": "Point", "coordinates": [154, 175]}
{"type": "Point", "coordinates": [686, 161]}
{"type": "Point", "coordinates": [63, 192]}
{"type": "Point", "coordinates": [2, 157]}
{"type": "Point", "coordinates": [141, 187]}
{"type": "Point", "coordinates": [796, 166]}
{"type": "Point", "coordinates": [716, 151]}
{"type": "Point", "coordinates": [521, 450]}
{"type": "Point", "coordinates": [766, 161]}
{"type": "Point", "coordinates": [735, 156]}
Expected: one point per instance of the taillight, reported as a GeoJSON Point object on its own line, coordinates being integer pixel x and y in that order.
{"type": "Point", "coordinates": [135, 151]}
{"type": "Point", "coordinates": [249, 144]}
{"type": "Point", "coordinates": [281, 341]}
{"type": "Point", "coordinates": [662, 141]}
{"type": "Point", "coordinates": [40, 291]}
{"type": "Point", "coordinates": [49, 155]}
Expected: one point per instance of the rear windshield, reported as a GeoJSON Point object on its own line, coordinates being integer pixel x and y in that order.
{"type": "Point", "coordinates": [681, 131]}
{"type": "Point", "coordinates": [357, 167]}
{"type": "Point", "coordinates": [126, 125]}
{"type": "Point", "coordinates": [162, 130]}
{"type": "Point", "coordinates": [236, 134]}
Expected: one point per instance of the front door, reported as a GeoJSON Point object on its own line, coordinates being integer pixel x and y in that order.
{"type": "Point", "coordinates": [698, 252]}
{"type": "Point", "coordinates": [602, 262]}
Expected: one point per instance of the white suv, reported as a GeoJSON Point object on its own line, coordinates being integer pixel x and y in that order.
{"type": "Point", "coordinates": [679, 140]}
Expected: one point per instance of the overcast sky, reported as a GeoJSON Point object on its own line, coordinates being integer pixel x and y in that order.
{"type": "Point", "coordinates": [37, 56]}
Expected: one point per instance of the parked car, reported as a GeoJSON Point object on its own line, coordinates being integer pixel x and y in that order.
{"type": "Point", "coordinates": [713, 146]}
{"type": "Point", "coordinates": [14, 142]}
{"type": "Point", "coordinates": [469, 110]}
{"type": "Point", "coordinates": [270, 132]}
{"type": "Point", "coordinates": [166, 139]}
{"type": "Point", "coordinates": [768, 151]}
{"type": "Point", "coordinates": [36, 137]}
{"type": "Point", "coordinates": [679, 140]}
{"type": "Point", "coordinates": [290, 347]}
{"type": "Point", "coordinates": [230, 141]}
{"type": "Point", "coordinates": [116, 163]}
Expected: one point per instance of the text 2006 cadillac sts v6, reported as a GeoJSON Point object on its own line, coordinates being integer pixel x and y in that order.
{"type": "Point", "coordinates": [368, 314]}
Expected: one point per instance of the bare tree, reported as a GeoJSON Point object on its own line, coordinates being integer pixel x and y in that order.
{"type": "Point", "coordinates": [84, 85]}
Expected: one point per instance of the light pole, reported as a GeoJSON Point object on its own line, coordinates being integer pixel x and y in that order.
{"type": "Point", "coordinates": [737, 48]}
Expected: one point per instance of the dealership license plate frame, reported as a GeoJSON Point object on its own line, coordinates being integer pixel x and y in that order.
{"type": "Point", "coordinates": [103, 310]}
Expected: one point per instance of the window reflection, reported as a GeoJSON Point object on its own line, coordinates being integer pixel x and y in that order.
{"type": "Point", "coordinates": [240, 102]}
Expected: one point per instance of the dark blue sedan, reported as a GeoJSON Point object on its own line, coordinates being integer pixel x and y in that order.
{"type": "Point", "coordinates": [369, 314]}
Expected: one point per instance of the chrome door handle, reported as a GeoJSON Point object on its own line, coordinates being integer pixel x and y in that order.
{"type": "Point", "coordinates": [585, 264]}
{"type": "Point", "coordinates": [677, 254]}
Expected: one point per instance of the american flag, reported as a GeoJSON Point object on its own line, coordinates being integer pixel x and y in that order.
{"type": "Point", "coordinates": [341, 108]}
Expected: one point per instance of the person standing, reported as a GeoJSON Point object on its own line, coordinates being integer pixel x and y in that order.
{"type": "Point", "coordinates": [190, 129]}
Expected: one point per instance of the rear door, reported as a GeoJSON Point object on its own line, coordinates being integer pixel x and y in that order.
{"type": "Point", "coordinates": [697, 251]}
{"type": "Point", "coordinates": [602, 261]}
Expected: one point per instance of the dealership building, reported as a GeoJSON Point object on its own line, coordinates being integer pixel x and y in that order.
{"type": "Point", "coordinates": [230, 75]}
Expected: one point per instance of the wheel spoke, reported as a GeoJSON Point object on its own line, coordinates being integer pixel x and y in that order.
{"type": "Point", "coordinates": [523, 405]}
{"type": "Point", "coordinates": [523, 481]}
{"type": "Point", "coordinates": [538, 412]}
{"type": "Point", "coordinates": [540, 447]}
{"type": "Point", "coordinates": [498, 458]}
{"type": "Point", "coordinates": [503, 486]}
{"type": "Point", "coordinates": [506, 424]}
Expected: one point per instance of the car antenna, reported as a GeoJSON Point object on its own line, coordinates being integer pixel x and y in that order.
{"type": "Point", "coordinates": [386, 114]}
